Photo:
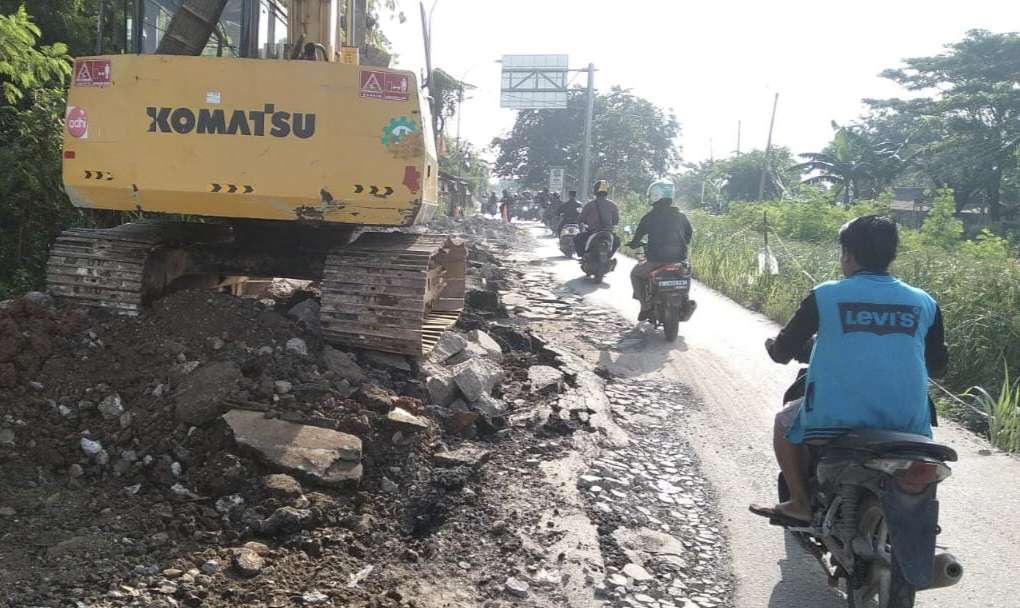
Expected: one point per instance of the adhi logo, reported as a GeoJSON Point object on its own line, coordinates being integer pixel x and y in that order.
{"type": "Point", "coordinates": [77, 122]}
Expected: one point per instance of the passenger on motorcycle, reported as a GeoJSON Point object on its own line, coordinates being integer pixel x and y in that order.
{"type": "Point", "coordinates": [570, 212]}
{"type": "Point", "coordinates": [669, 233]}
{"type": "Point", "coordinates": [877, 340]}
{"type": "Point", "coordinates": [598, 215]}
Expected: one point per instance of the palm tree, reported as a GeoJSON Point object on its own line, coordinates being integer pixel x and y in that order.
{"type": "Point", "coordinates": [851, 163]}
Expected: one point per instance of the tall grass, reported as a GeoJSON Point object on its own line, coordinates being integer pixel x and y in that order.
{"type": "Point", "coordinates": [1003, 414]}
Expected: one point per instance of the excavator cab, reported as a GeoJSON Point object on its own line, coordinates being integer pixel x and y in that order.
{"type": "Point", "coordinates": [286, 160]}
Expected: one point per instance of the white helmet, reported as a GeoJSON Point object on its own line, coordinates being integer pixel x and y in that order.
{"type": "Point", "coordinates": [660, 189]}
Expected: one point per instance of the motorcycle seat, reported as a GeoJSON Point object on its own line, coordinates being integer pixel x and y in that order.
{"type": "Point", "coordinates": [882, 442]}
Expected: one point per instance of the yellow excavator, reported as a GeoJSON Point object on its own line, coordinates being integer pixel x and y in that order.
{"type": "Point", "coordinates": [265, 149]}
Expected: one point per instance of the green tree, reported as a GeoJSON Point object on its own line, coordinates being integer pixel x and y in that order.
{"type": "Point", "coordinates": [967, 110]}
{"type": "Point", "coordinates": [633, 142]}
{"type": "Point", "coordinates": [33, 207]}
{"type": "Point", "coordinates": [742, 175]}
{"type": "Point", "coordinates": [941, 228]}
{"type": "Point", "coordinates": [463, 160]}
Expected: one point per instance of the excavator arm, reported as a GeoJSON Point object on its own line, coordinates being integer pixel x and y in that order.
{"type": "Point", "coordinates": [191, 27]}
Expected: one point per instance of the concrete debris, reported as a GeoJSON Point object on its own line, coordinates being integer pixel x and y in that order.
{"type": "Point", "coordinates": [200, 398]}
{"type": "Point", "coordinates": [489, 346]}
{"type": "Point", "coordinates": [343, 365]}
{"type": "Point", "coordinates": [467, 456]}
{"type": "Point", "coordinates": [545, 379]}
{"type": "Point", "coordinates": [282, 387]}
{"type": "Point", "coordinates": [477, 377]}
{"type": "Point", "coordinates": [490, 407]}
{"type": "Point", "coordinates": [450, 344]}
{"type": "Point", "coordinates": [6, 438]}
{"type": "Point", "coordinates": [314, 598]}
{"type": "Point", "coordinates": [442, 388]}
{"type": "Point", "coordinates": [286, 520]}
{"type": "Point", "coordinates": [322, 455]}
{"type": "Point", "coordinates": [406, 421]}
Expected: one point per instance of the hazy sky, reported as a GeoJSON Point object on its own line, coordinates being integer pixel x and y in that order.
{"type": "Point", "coordinates": [713, 62]}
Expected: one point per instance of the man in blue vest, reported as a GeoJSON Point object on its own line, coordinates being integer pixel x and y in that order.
{"type": "Point", "coordinates": [877, 340]}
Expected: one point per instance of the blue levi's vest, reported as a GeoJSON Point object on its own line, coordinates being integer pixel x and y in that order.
{"type": "Point", "coordinates": [868, 365]}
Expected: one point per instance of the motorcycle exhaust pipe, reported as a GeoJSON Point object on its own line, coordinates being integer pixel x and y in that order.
{"type": "Point", "coordinates": [946, 571]}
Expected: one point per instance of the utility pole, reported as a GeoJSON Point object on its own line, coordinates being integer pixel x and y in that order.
{"type": "Point", "coordinates": [768, 150]}
{"type": "Point", "coordinates": [738, 139]}
{"type": "Point", "coordinates": [588, 115]}
{"type": "Point", "coordinates": [99, 27]}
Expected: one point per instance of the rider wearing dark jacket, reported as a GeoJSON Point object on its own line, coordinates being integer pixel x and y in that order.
{"type": "Point", "coordinates": [569, 212]}
{"type": "Point", "coordinates": [669, 232]}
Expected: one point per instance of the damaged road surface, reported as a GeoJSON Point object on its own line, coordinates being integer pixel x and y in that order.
{"type": "Point", "coordinates": [214, 452]}
{"type": "Point", "coordinates": [737, 390]}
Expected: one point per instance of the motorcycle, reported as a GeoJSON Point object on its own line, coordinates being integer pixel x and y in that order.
{"type": "Point", "coordinates": [598, 260]}
{"type": "Point", "coordinates": [567, 236]}
{"type": "Point", "coordinates": [667, 294]}
{"type": "Point", "coordinates": [874, 513]}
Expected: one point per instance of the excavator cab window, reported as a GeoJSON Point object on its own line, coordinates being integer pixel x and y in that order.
{"type": "Point", "coordinates": [247, 28]}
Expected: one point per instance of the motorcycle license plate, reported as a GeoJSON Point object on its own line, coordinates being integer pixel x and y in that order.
{"type": "Point", "coordinates": [675, 283]}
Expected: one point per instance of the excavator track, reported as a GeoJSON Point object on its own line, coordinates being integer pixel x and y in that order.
{"type": "Point", "coordinates": [121, 268]}
{"type": "Point", "coordinates": [393, 292]}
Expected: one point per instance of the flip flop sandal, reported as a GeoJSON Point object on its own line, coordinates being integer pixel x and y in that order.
{"type": "Point", "coordinates": [779, 519]}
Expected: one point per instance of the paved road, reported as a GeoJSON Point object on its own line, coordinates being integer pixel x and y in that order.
{"type": "Point", "coordinates": [720, 354]}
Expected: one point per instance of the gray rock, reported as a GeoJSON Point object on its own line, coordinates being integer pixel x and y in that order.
{"type": "Point", "coordinates": [314, 598]}
{"type": "Point", "coordinates": [282, 387]}
{"type": "Point", "coordinates": [6, 438]}
{"type": "Point", "coordinates": [126, 419]}
{"type": "Point", "coordinates": [75, 471]}
{"type": "Point", "coordinates": [442, 388]}
{"type": "Point", "coordinates": [65, 411]}
{"type": "Point", "coordinates": [90, 447]}
{"type": "Point", "coordinates": [477, 377]}
{"type": "Point", "coordinates": [287, 520]}
{"type": "Point", "coordinates": [7, 512]}
{"type": "Point", "coordinates": [111, 407]}
{"type": "Point", "coordinates": [306, 312]}
{"type": "Point", "coordinates": [517, 587]}
{"type": "Point", "coordinates": [210, 567]}
{"type": "Point", "coordinates": [228, 504]}
{"type": "Point", "coordinates": [323, 455]}
{"type": "Point", "coordinates": [406, 421]}
{"type": "Point", "coordinates": [376, 398]}
{"type": "Point", "coordinates": [545, 379]}
{"type": "Point", "coordinates": [248, 563]}
{"type": "Point", "coordinates": [217, 343]}
{"type": "Point", "coordinates": [467, 456]}
{"type": "Point", "coordinates": [388, 360]}
{"type": "Point", "coordinates": [636, 572]}
{"type": "Point", "coordinates": [489, 346]}
{"type": "Point", "coordinates": [200, 398]}
{"type": "Point", "coordinates": [389, 486]}
{"type": "Point", "coordinates": [297, 346]}
{"type": "Point", "coordinates": [343, 365]}
{"type": "Point", "coordinates": [490, 407]}
{"type": "Point", "coordinates": [450, 344]}
{"type": "Point", "coordinates": [281, 486]}
{"type": "Point", "coordinates": [38, 297]}
{"type": "Point", "coordinates": [36, 385]}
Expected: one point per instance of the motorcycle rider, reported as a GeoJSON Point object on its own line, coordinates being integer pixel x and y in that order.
{"type": "Point", "coordinates": [569, 213]}
{"type": "Point", "coordinates": [505, 206]}
{"type": "Point", "coordinates": [600, 214]}
{"type": "Point", "coordinates": [669, 233]}
{"type": "Point", "coordinates": [492, 204]}
{"type": "Point", "coordinates": [877, 342]}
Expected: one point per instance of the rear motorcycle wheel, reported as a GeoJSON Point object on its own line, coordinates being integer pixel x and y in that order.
{"type": "Point", "coordinates": [671, 322]}
{"type": "Point", "coordinates": [883, 586]}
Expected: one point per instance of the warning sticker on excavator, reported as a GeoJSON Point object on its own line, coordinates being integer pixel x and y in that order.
{"type": "Point", "coordinates": [384, 85]}
{"type": "Point", "coordinates": [92, 73]}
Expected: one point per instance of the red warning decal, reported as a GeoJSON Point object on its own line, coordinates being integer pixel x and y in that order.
{"type": "Point", "coordinates": [384, 85]}
{"type": "Point", "coordinates": [77, 122]}
{"type": "Point", "coordinates": [92, 73]}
